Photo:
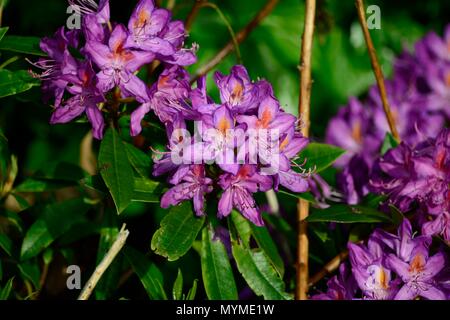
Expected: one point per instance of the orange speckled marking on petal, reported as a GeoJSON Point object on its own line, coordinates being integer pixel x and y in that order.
{"type": "Point", "coordinates": [284, 143]}
{"type": "Point", "coordinates": [223, 125]}
{"type": "Point", "coordinates": [417, 264]}
{"type": "Point", "coordinates": [143, 18]}
{"type": "Point", "coordinates": [266, 118]}
{"type": "Point", "coordinates": [356, 132]}
{"type": "Point", "coordinates": [383, 279]}
{"type": "Point", "coordinates": [237, 92]}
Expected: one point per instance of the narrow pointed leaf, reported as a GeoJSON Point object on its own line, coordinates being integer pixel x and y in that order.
{"type": "Point", "coordinates": [216, 269]}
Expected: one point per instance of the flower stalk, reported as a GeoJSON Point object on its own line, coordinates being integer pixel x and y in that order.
{"type": "Point", "coordinates": [304, 112]}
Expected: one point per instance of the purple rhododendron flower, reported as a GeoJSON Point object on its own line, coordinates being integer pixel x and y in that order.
{"type": "Point", "coordinates": [85, 98]}
{"type": "Point", "coordinates": [232, 140]}
{"type": "Point", "coordinates": [340, 287]}
{"type": "Point", "coordinates": [391, 266]}
{"type": "Point", "coordinates": [419, 98]}
{"type": "Point", "coordinates": [238, 190]}
{"type": "Point", "coordinates": [419, 176]}
{"type": "Point", "coordinates": [193, 185]}
{"type": "Point", "coordinates": [115, 54]}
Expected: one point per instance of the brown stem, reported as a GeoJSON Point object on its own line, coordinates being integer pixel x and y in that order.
{"type": "Point", "coordinates": [193, 14]}
{"type": "Point", "coordinates": [330, 267]}
{"type": "Point", "coordinates": [240, 37]}
{"type": "Point", "coordinates": [304, 110]}
{"type": "Point", "coordinates": [376, 69]}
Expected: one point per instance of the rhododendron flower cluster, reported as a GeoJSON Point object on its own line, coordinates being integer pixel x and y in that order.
{"type": "Point", "coordinates": [414, 176]}
{"type": "Point", "coordinates": [111, 55]}
{"type": "Point", "coordinates": [244, 144]}
{"type": "Point", "coordinates": [389, 266]}
{"type": "Point", "coordinates": [418, 94]}
{"type": "Point", "coordinates": [247, 135]}
{"type": "Point", "coordinates": [418, 178]}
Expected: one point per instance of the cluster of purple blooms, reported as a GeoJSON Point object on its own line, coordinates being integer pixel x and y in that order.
{"type": "Point", "coordinates": [414, 176]}
{"type": "Point", "coordinates": [419, 96]}
{"type": "Point", "coordinates": [391, 266]}
{"type": "Point", "coordinates": [244, 106]}
{"type": "Point", "coordinates": [113, 54]}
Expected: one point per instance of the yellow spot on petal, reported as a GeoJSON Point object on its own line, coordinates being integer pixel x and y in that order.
{"type": "Point", "coordinates": [284, 143]}
{"type": "Point", "coordinates": [383, 279]}
{"type": "Point", "coordinates": [223, 125]}
{"type": "Point", "coordinates": [417, 264]}
{"type": "Point", "coordinates": [356, 132]}
{"type": "Point", "coordinates": [236, 94]}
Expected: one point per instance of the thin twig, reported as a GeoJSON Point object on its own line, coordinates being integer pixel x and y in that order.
{"type": "Point", "coordinates": [330, 267]}
{"type": "Point", "coordinates": [229, 27]}
{"type": "Point", "coordinates": [170, 5]}
{"type": "Point", "coordinates": [304, 110]}
{"type": "Point", "coordinates": [376, 69]}
{"type": "Point", "coordinates": [104, 264]}
{"type": "Point", "coordinates": [240, 36]}
{"type": "Point", "coordinates": [193, 14]}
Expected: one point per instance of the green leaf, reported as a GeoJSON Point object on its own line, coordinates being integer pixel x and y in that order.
{"type": "Point", "coordinates": [177, 290]}
{"type": "Point", "coordinates": [266, 243]}
{"type": "Point", "coordinates": [193, 291]}
{"type": "Point", "coordinates": [55, 220]}
{"type": "Point", "coordinates": [108, 234]}
{"type": "Point", "coordinates": [116, 169]}
{"type": "Point", "coordinates": [305, 195]}
{"type": "Point", "coordinates": [259, 274]}
{"type": "Point", "coordinates": [3, 32]}
{"type": "Point", "coordinates": [22, 202]}
{"type": "Point", "coordinates": [140, 161]}
{"type": "Point", "coordinates": [37, 185]}
{"type": "Point", "coordinates": [6, 244]}
{"type": "Point", "coordinates": [389, 142]}
{"type": "Point", "coordinates": [247, 229]}
{"type": "Point", "coordinates": [178, 230]}
{"type": "Point", "coordinates": [242, 226]}
{"type": "Point", "coordinates": [318, 156]}
{"type": "Point", "coordinates": [30, 270]}
{"type": "Point", "coordinates": [146, 190]}
{"type": "Point", "coordinates": [397, 215]}
{"type": "Point", "coordinates": [348, 214]}
{"type": "Point", "coordinates": [6, 291]}
{"type": "Point", "coordinates": [149, 274]}
{"type": "Point", "coordinates": [14, 82]}
{"type": "Point", "coordinates": [21, 44]}
{"type": "Point", "coordinates": [217, 274]}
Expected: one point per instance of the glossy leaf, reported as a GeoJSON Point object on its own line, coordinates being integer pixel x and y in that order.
{"type": "Point", "coordinates": [217, 274]}
{"type": "Point", "coordinates": [6, 244]}
{"type": "Point", "coordinates": [259, 273]}
{"type": "Point", "coordinates": [146, 190]}
{"type": "Point", "coordinates": [116, 169]}
{"type": "Point", "coordinates": [6, 290]}
{"type": "Point", "coordinates": [22, 44]}
{"type": "Point", "coordinates": [177, 290]}
{"type": "Point", "coordinates": [56, 219]}
{"type": "Point", "coordinates": [149, 274]}
{"type": "Point", "coordinates": [14, 82]}
{"type": "Point", "coordinates": [262, 237]}
{"type": "Point", "coordinates": [108, 234]}
{"type": "Point", "coordinates": [389, 142]}
{"type": "Point", "coordinates": [348, 214]}
{"type": "Point", "coordinates": [319, 156]}
{"type": "Point", "coordinates": [140, 161]}
{"type": "Point", "coordinates": [178, 230]}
